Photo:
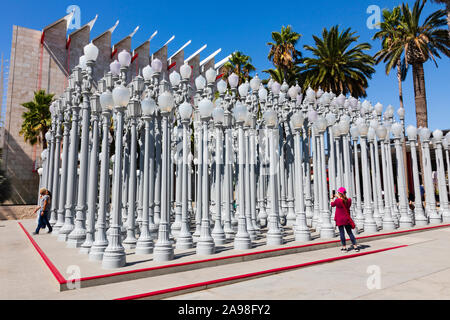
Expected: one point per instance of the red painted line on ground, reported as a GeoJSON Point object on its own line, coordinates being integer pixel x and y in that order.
{"type": "Point", "coordinates": [403, 231]}
{"type": "Point", "coordinates": [44, 257]}
{"type": "Point", "coordinates": [253, 274]}
{"type": "Point", "coordinates": [53, 268]}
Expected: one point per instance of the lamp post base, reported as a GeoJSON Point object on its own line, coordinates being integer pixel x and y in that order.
{"type": "Point", "coordinates": [205, 246]}
{"type": "Point", "coordinates": [144, 247]}
{"type": "Point", "coordinates": [302, 235]}
{"type": "Point", "coordinates": [327, 232]}
{"type": "Point", "coordinates": [97, 251]}
{"type": "Point", "coordinates": [184, 242]}
{"type": "Point", "coordinates": [113, 259]}
{"type": "Point", "coordinates": [388, 224]}
{"type": "Point", "coordinates": [76, 238]}
{"type": "Point", "coordinates": [274, 239]}
{"type": "Point", "coordinates": [163, 252]}
{"type": "Point", "coordinates": [421, 220]}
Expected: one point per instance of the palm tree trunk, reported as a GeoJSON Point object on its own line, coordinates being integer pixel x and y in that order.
{"type": "Point", "coordinates": [400, 96]}
{"type": "Point", "coordinates": [448, 16]}
{"type": "Point", "coordinates": [44, 141]}
{"type": "Point", "coordinates": [399, 78]}
{"type": "Point", "coordinates": [420, 96]}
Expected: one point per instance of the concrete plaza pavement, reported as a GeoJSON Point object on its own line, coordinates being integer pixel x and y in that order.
{"type": "Point", "coordinates": [419, 271]}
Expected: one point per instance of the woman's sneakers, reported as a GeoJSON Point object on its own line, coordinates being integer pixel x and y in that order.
{"type": "Point", "coordinates": [356, 248]}
{"type": "Point", "coordinates": [344, 249]}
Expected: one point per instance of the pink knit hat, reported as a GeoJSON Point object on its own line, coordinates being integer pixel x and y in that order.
{"type": "Point", "coordinates": [342, 190]}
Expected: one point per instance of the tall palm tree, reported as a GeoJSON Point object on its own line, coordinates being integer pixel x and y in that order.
{"type": "Point", "coordinates": [337, 67]}
{"type": "Point", "coordinates": [282, 52]}
{"type": "Point", "coordinates": [447, 7]}
{"type": "Point", "coordinates": [387, 34]}
{"type": "Point", "coordinates": [240, 64]}
{"type": "Point", "coordinates": [37, 118]}
{"type": "Point", "coordinates": [419, 43]}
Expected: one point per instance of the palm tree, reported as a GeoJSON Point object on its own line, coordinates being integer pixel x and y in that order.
{"type": "Point", "coordinates": [389, 27]}
{"type": "Point", "coordinates": [419, 43]}
{"type": "Point", "coordinates": [37, 118]}
{"type": "Point", "coordinates": [283, 53]}
{"type": "Point", "coordinates": [337, 67]}
{"type": "Point", "coordinates": [240, 64]}
{"type": "Point", "coordinates": [293, 75]}
{"type": "Point", "coordinates": [447, 5]}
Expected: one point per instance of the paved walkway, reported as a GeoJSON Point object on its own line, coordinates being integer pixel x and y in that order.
{"type": "Point", "coordinates": [419, 271]}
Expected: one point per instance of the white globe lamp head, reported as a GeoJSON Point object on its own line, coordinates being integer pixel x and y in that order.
{"type": "Point", "coordinates": [156, 65]}
{"type": "Point", "coordinates": [165, 102]}
{"type": "Point", "coordinates": [185, 71]}
{"type": "Point", "coordinates": [185, 110]}
{"type": "Point", "coordinates": [233, 80]}
{"type": "Point", "coordinates": [124, 58]}
{"type": "Point", "coordinates": [148, 106]}
{"type": "Point", "coordinates": [210, 75]}
{"type": "Point", "coordinates": [121, 96]}
{"type": "Point", "coordinates": [90, 52]}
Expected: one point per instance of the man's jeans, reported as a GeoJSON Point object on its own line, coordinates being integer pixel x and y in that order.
{"type": "Point", "coordinates": [43, 221]}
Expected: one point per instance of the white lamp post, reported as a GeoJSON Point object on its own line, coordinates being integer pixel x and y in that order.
{"type": "Point", "coordinates": [419, 214]}
{"type": "Point", "coordinates": [443, 193]}
{"type": "Point", "coordinates": [163, 249]}
{"type": "Point", "coordinates": [405, 219]}
{"type": "Point", "coordinates": [274, 236]}
{"type": "Point", "coordinates": [242, 239]}
{"type": "Point", "coordinates": [301, 230]}
{"type": "Point", "coordinates": [184, 239]}
{"type": "Point", "coordinates": [114, 254]}
{"type": "Point", "coordinates": [205, 244]}
{"type": "Point", "coordinates": [388, 222]}
{"type": "Point", "coordinates": [218, 233]}
{"type": "Point", "coordinates": [430, 201]}
{"type": "Point", "coordinates": [369, 222]}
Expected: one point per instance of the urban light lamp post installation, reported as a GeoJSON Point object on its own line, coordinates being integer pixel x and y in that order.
{"type": "Point", "coordinates": [274, 152]}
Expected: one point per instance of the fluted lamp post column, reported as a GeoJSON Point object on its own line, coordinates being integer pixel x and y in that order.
{"type": "Point", "coordinates": [419, 214]}
{"type": "Point", "coordinates": [78, 234]}
{"type": "Point", "coordinates": [93, 176]}
{"type": "Point", "coordinates": [369, 222]}
{"type": "Point", "coordinates": [242, 239]}
{"type": "Point", "coordinates": [443, 193]}
{"type": "Point", "coordinates": [58, 110]}
{"type": "Point", "coordinates": [184, 239]}
{"type": "Point", "coordinates": [301, 230]}
{"type": "Point", "coordinates": [387, 221]}
{"type": "Point", "coordinates": [65, 152]}
{"type": "Point", "coordinates": [274, 235]}
{"type": "Point", "coordinates": [218, 233]}
{"type": "Point", "coordinates": [100, 240]}
{"type": "Point", "coordinates": [114, 255]}
{"type": "Point", "coordinates": [326, 228]}
{"type": "Point", "coordinates": [163, 250]}
{"type": "Point", "coordinates": [145, 243]}
{"type": "Point", "coordinates": [205, 243]}
{"type": "Point", "coordinates": [430, 201]}
{"type": "Point", "coordinates": [72, 160]}
{"type": "Point", "coordinates": [405, 220]}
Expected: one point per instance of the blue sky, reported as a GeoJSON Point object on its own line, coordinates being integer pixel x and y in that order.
{"type": "Point", "coordinates": [240, 25]}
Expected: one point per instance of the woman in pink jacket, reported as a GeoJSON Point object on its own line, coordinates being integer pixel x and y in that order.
{"type": "Point", "coordinates": [342, 217]}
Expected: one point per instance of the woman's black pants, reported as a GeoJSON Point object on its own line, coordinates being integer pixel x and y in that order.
{"type": "Point", "coordinates": [348, 228]}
